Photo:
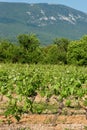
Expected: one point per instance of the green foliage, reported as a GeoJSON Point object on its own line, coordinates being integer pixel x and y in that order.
{"type": "Point", "coordinates": [28, 50]}
{"type": "Point", "coordinates": [32, 52]}
{"type": "Point", "coordinates": [56, 52]}
{"type": "Point", "coordinates": [85, 102]}
{"type": "Point", "coordinates": [14, 110]}
{"type": "Point", "coordinates": [22, 83]}
{"type": "Point", "coordinates": [77, 52]}
{"type": "Point", "coordinates": [52, 55]}
{"type": "Point", "coordinates": [68, 103]}
{"type": "Point", "coordinates": [28, 41]}
{"type": "Point", "coordinates": [62, 44]}
{"type": "Point", "coordinates": [5, 48]}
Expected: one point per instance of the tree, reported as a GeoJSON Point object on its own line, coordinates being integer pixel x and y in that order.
{"type": "Point", "coordinates": [6, 51]}
{"type": "Point", "coordinates": [62, 44]}
{"type": "Point", "coordinates": [53, 55]}
{"type": "Point", "coordinates": [18, 54]}
{"type": "Point", "coordinates": [10, 52]}
{"type": "Point", "coordinates": [28, 41]}
{"type": "Point", "coordinates": [77, 52]}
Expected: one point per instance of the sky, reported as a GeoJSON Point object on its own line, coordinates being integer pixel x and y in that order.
{"type": "Point", "coordinates": [76, 4]}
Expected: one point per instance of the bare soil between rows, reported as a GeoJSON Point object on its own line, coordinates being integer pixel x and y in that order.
{"type": "Point", "coordinates": [44, 122]}
{"type": "Point", "coordinates": [77, 121]}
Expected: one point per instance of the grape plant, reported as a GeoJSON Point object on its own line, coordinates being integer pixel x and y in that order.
{"type": "Point", "coordinates": [21, 83]}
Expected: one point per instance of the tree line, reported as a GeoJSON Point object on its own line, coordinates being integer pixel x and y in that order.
{"type": "Point", "coordinates": [29, 50]}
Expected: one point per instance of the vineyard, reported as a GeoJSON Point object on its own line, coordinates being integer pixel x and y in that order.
{"type": "Point", "coordinates": [42, 89]}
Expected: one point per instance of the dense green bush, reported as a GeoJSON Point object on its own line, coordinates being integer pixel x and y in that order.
{"type": "Point", "coordinates": [28, 50]}
{"type": "Point", "coordinates": [77, 52]}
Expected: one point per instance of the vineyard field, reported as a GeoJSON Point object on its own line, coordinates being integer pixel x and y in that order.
{"type": "Point", "coordinates": [42, 89]}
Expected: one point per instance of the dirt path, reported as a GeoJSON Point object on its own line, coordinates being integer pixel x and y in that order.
{"type": "Point", "coordinates": [44, 122]}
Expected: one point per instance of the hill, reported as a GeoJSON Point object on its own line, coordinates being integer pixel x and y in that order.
{"type": "Point", "coordinates": [47, 21]}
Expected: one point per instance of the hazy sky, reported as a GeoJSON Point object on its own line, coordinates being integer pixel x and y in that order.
{"type": "Point", "coordinates": [77, 4]}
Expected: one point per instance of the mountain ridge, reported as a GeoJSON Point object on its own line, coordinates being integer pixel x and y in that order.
{"type": "Point", "coordinates": [47, 21]}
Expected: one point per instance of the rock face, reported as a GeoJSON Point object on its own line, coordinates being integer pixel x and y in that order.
{"type": "Point", "coordinates": [46, 20]}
